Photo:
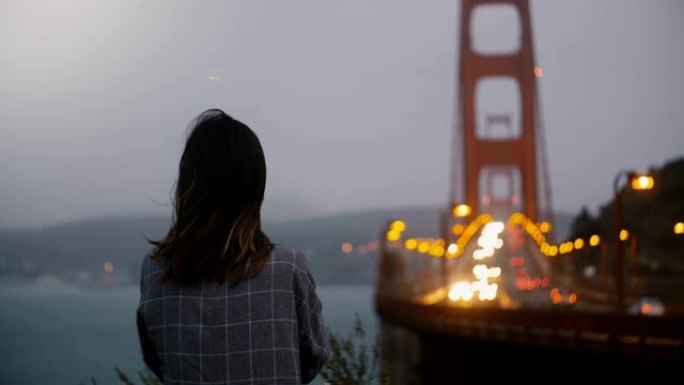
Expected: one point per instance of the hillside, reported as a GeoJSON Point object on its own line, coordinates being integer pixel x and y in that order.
{"type": "Point", "coordinates": [77, 251]}
{"type": "Point", "coordinates": [649, 216]}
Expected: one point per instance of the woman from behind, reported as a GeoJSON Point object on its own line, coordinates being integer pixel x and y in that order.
{"type": "Point", "coordinates": [219, 303]}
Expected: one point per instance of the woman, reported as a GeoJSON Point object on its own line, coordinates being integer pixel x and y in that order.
{"type": "Point", "coordinates": [219, 303]}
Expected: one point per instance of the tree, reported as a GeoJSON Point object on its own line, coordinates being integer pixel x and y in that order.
{"type": "Point", "coordinates": [584, 225]}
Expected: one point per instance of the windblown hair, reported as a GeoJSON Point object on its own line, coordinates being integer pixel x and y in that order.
{"type": "Point", "coordinates": [216, 231]}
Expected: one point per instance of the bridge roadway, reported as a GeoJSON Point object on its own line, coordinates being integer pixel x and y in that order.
{"type": "Point", "coordinates": [464, 343]}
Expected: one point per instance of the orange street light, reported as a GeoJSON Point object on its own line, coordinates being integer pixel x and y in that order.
{"type": "Point", "coordinates": [642, 182]}
{"type": "Point", "coordinates": [347, 247]}
{"type": "Point", "coordinates": [398, 225]}
{"type": "Point", "coordinates": [624, 234]}
{"type": "Point", "coordinates": [679, 228]}
{"type": "Point", "coordinates": [638, 182]}
{"type": "Point", "coordinates": [461, 211]}
{"type": "Point", "coordinates": [594, 240]}
{"type": "Point", "coordinates": [393, 235]}
{"type": "Point", "coordinates": [545, 227]}
{"type": "Point", "coordinates": [411, 244]}
{"type": "Point", "coordinates": [457, 229]}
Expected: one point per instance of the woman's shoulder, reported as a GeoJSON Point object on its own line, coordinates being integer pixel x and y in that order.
{"type": "Point", "coordinates": [297, 264]}
{"type": "Point", "coordinates": [291, 256]}
{"type": "Point", "coordinates": [151, 266]}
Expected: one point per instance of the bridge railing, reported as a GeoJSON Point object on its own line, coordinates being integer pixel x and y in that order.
{"type": "Point", "coordinates": [411, 294]}
{"type": "Point", "coordinates": [575, 330]}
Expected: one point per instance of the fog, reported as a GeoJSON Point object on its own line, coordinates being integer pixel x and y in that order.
{"type": "Point", "coordinates": [353, 100]}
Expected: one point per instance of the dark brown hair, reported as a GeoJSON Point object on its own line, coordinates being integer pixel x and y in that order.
{"type": "Point", "coordinates": [216, 231]}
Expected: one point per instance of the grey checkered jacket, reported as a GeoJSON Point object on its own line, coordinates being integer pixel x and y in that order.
{"type": "Point", "coordinates": [266, 330]}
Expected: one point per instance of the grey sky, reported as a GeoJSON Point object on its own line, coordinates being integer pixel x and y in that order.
{"type": "Point", "coordinates": [353, 100]}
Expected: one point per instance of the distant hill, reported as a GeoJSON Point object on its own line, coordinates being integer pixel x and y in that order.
{"type": "Point", "coordinates": [77, 251]}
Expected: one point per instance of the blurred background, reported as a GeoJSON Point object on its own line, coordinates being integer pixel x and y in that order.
{"type": "Point", "coordinates": [355, 103]}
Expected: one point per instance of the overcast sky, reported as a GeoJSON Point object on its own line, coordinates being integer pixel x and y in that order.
{"type": "Point", "coordinates": [353, 100]}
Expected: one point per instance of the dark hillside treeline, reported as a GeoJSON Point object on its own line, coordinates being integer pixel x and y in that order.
{"type": "Point", "coordinates": [648, 215]}
{"type": "Point", "coordinates": [77, 251]}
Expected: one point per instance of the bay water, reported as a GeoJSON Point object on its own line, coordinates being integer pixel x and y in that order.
{"type": "Point", "coordinates": [55, 333]}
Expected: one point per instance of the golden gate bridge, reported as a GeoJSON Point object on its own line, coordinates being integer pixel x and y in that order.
{"type": "Point", "coordinates": [486, 285]}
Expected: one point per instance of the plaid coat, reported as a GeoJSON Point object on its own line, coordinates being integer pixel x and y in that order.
{"type": "Point", "coordinates": [266, 330]}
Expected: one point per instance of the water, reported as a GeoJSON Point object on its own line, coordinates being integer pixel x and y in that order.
{"type": "Point", "coordinates": [52, 333]}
